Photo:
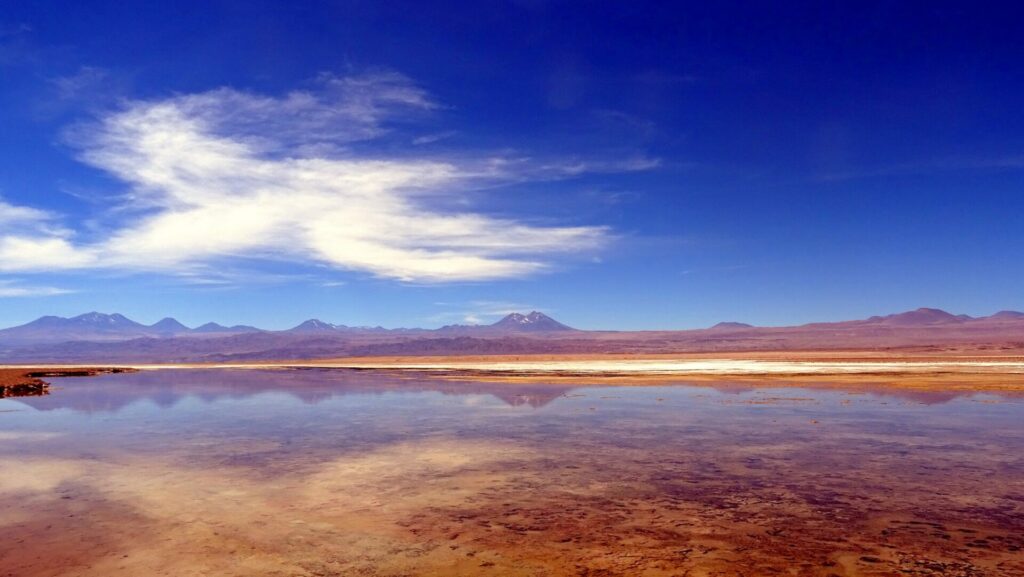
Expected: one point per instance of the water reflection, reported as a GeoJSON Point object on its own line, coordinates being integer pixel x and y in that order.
{"type": "Point", "coordinates": [352, 473]}
{"type": "Point", "coordinates": [166, 388]}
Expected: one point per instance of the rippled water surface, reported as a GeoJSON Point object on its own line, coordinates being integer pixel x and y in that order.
{"type": "Point", "coordinates": [315, 473]}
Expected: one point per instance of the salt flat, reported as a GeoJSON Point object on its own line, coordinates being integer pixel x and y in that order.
{"type": "Point", "coordinates": [632, 366]}
{"type": "Point", "coordinates": [645, 366]}
{"type": "Point", "coordinates": [716, 366]}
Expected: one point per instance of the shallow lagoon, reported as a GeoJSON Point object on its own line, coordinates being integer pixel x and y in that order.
{"type": "Point", "coordinates": [320, 472]}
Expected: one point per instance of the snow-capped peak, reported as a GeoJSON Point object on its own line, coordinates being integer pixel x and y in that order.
{"type": "Point", "coordinates": [535, 321]}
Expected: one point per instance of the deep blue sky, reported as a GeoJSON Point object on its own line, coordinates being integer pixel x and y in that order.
{"type": "Point", "coordinates": [670, 165]}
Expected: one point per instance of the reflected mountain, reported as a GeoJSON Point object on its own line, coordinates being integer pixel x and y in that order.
{"type": "Point", "coordinates": [165, 388]}
{"type": "Point", "coordinates": [877, 389]}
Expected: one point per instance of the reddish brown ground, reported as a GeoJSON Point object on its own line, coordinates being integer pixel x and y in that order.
{"type": "Point", "coordinates": [35, 375]}
{"type": "Point", "coordinates": [30, 381]}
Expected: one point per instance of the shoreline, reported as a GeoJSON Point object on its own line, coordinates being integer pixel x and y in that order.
{"type": "Point", "coordinates": [793, 369]}
{"type": "Point", "coordinates": [17, 381]}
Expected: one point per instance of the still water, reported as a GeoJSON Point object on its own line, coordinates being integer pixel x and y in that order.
{"type": "Point", "coordinates": [318, 472]}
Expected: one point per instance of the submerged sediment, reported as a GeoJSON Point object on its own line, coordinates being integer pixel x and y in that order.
{"type": "Point", "coordinates": [261, 473]}
{"type": "Point", "coordinates": [28, 382]}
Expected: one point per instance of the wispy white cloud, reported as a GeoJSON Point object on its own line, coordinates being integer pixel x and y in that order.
{"type": "Point", "coordinates": [576, 167]}
{"type": "Point", "coordinates": [33, 240]}
{"type": "Point", "coordinates": [8, 289]}
{"type": "Point", "coordinates": [229, 174]}
{"type": "Point", "coordinates": [86, 80]}
{"type": "Point", "coordinates": [432, 138]}
{"type": "Point", "coordinates": [32, 254]}
{"type": "Point", "coordinates": [12, 215]}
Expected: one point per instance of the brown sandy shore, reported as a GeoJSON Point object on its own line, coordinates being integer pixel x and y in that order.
{"type": "Point", "coordinates": [27, 381]}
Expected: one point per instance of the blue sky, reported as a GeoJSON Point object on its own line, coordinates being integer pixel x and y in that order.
{"type": "Point", "coordinates": [629, 166]}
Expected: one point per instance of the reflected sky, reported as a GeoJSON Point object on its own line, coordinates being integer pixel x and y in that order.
{"type": "Point", "coordinates": [338, 472]}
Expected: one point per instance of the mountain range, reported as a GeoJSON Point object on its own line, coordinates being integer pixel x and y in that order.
{"type": "Point", "coordinates": [98, 327]}
{"type": "Point", "coordinates": [95, 337]}
{"type": "Point", "coordinates": [107, 327]}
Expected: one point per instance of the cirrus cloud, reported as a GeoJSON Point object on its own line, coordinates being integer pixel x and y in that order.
{"type": "Point", "coordinates": [229, 174]}
{"type": "Point", "coordinates": [10, 289]}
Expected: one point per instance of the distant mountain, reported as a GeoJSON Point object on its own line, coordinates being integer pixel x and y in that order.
{"type": "Point", "coordinates": [919, 317]}
{"type": "Point", "coordinates": [169, 326]}
{"type": "Point", "coordinates": [1007, 315]}
{"type": "Point", "coordinates": [97, 327]}
{"type": "Point", "coordinates": [315, 326]}
{"type": "Point", "coordinates": [731, 325]}
{"type": "Point", "coordinates": [95, 337]}
{"type": "Point", "coordinates": [512, 323]}
{"type": "Point", "coordinates": [102, 322]}
{"type": "Point", "coordinates": [533, 322]}
{"type": "Point", "coordinates": [210, 328]}
{"type": "Point", "coordinates": [461, 328]}
{"type": "Point", "coordinates": [88, 327]}
{"type": "Point", "coordinates": [215, 328]}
